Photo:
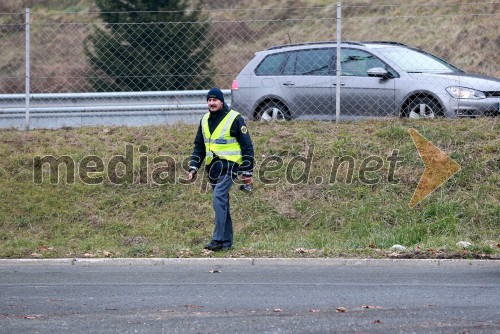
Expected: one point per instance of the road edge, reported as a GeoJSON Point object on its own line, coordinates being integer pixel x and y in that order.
{"type": "Point", "coordinates": [336, 262]}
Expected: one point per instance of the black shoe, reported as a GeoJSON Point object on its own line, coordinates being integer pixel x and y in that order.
{"type": "Point", "coordinates": [215, 246]}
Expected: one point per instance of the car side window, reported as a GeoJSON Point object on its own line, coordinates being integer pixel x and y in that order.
{"type": "Point", "coordinates": [271, 65]}
{"type": "Point", "coordinates": [291, 62]}
{"type": "Point", "coordinates": [355, 62]}
{"type": "Point", "coordinates": [313, 62]}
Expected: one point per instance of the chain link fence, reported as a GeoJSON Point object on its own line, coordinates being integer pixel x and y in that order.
{"type": "Point", "coordinates": [78, 53]}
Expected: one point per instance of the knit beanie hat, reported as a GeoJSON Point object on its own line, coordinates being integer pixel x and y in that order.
{"type": "Point", "coordinates": [215, 93]}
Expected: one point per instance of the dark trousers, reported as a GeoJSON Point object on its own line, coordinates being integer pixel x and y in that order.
{"type": "Point", "coordinates": [223, 224]}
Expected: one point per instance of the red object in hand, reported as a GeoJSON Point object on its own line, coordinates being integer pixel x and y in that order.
{"type": "Point", "coordinates": [247, 180]}
{"type": "Point", "coordinates": [247, 186]}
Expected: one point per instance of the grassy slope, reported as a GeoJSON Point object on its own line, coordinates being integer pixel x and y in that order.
{"type": "Point", "coordinates": [324, 218]}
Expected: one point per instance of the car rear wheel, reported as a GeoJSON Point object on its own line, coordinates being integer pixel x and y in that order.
{"type": "Point", "coordinates": [424, 107]}
{"type": "Point", "coordinates": [272, 111]}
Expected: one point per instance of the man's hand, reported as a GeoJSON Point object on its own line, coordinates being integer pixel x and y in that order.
{"type": "Point", "coordinates": [247, 183]}
{"type": "Point", "coordinates": [192, 175]}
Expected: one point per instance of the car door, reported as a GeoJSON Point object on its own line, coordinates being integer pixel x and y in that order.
{"type": "Point", "coordinates": [360, 94]}
{"type": "Point", "coordinates": [306, 82]}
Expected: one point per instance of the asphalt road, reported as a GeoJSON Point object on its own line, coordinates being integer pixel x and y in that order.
{"type": "Point", "coordinates": [249, 296]}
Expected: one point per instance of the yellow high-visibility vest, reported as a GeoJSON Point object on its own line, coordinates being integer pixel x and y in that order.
{"type": "Point", "coordinates": [220, 143]}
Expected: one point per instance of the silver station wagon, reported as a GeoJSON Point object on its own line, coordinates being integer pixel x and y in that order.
{"type": "Point", "coordinates": [377, 79]}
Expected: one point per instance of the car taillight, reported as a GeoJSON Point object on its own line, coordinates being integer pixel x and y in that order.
{"type": "Point", "coordinates": [234, 86]}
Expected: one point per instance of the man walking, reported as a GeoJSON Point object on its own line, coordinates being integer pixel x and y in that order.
{"type": "Point", "coordinates": [224, 144]}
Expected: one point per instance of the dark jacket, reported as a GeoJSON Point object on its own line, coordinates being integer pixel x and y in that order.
{"type": "Point", "coordinates": [220, 166]}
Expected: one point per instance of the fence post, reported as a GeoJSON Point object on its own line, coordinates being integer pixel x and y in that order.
{"type": "Point", "coordinates": [27, 70]}
{"type": "Point", "coordinates": [337, 86]}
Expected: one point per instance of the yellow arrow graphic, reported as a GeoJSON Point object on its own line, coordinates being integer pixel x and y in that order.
{"type": "Point", "coordinates": [438, 167]}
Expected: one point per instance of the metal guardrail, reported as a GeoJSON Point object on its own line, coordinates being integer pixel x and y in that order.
{"type": "Point", "coordinates": [57, 110]}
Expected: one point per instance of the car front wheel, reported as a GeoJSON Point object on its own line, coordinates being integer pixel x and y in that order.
{"type": "Point", "coordinates": [424, 107]}
{"type": "Point", "coordinates": [272, 111]}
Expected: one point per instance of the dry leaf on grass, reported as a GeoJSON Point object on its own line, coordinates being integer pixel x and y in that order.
{"type": "Point", "coordinates": [304, 251]}
{"type": "Point", "coordinates": [185, 252]}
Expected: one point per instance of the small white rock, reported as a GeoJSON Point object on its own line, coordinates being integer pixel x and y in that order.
{"type": "Point", "coordinates": [398, 248]}
{"type": "Point", "coordinates": [463, 244]}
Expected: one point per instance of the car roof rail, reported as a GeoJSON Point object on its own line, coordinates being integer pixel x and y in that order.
{"type": "Point", "coordinates": [311, 43]}
{"type": "Point", "coordinates": [384, 42]}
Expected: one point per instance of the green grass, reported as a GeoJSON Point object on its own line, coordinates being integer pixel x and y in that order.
{"type": "Point", "coordinates": [317, 216]}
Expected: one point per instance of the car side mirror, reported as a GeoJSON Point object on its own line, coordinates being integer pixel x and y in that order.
{"type": "Point", "coordinates": [379, 72]}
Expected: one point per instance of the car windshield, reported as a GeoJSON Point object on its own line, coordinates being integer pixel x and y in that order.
{"type": "Point", "coordinates": [417, 62]}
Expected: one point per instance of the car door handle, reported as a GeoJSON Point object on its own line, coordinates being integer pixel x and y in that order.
{"type": "Point", "coordinates": [288, 83]}
{"type": "Point", "coordinates": [342, 84]}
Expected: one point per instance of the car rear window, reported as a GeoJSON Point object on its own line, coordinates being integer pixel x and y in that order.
{"type": "Point", "coordinates": [271, 65]}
